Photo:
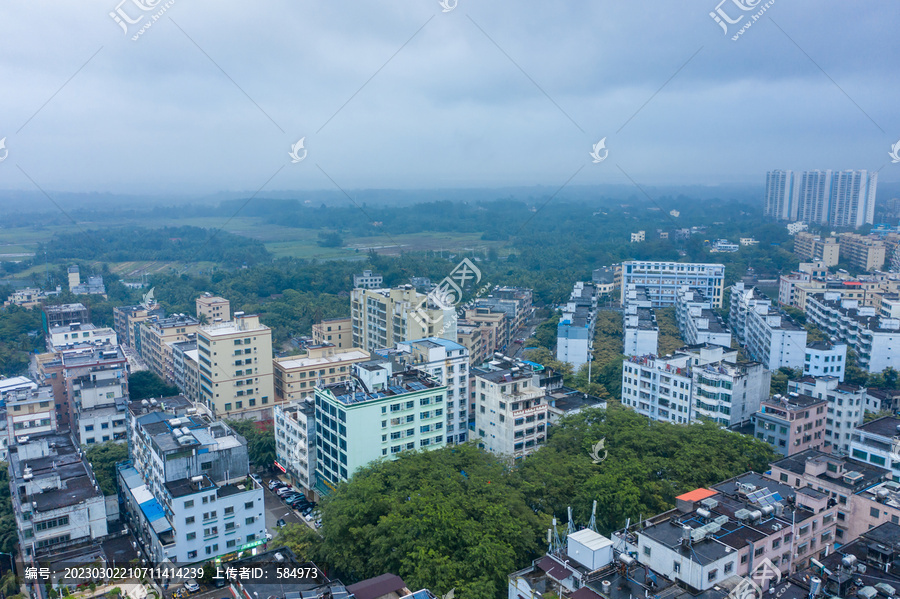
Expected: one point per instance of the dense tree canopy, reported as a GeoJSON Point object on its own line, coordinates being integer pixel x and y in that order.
{"type": "Point", "coordinates": [103, 458]}
{"type": "Point", "coordinates": [260, 441]}
{"type": "Point", "coordinates": [145, 384]}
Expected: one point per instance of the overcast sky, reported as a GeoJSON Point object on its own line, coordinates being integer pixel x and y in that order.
{"type": "Point", "coordinates": [400, 94]}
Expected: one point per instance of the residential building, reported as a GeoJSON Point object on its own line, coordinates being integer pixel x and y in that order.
{"type": "Point", "coordinates": [862, 252]}
{"type": "Point", "coordinates": [791, 423]}
{"type": "Point", "coordinates": [863, 499]}
{"type": "Point", "coordinates": [662, 279]}
{"type": "Point", "coordinates": [878, 443]}
{"type": "Point", "coordinates": [494, 324]}
{"type": "Point", "coordinates": [55, 498]}
{"type": "Point", "coordinates": [62, 315]}
{"type": "Point", "coordinates": [696, 382]}
{"type": "Point", "coordinates": [469, 335]}
{"type": "Point", "coordinates": [575, 331]}
{"type": "Point", "coordinates": [640, 331]}
{"type": "Point", "coordinates": [30, 297]}
{"type": "Point", "coordinates": [882, 400]}
{"type": "Point", "coordinates": [845, 408]}
{"type": "Point", "coordinates": [638, 237]}
{"type": "Point", "coordinates": [295, 442]}
{"type": "Point", "coordinates": [796, 227]}
{"type": "Point", "coordinates": [448, 363]}
{"type": "Point", "coordinates": [385, 317]}
{"type": "Point", "coordinates": [212, 308]}
{"type": "Point", "coordinates": [511, 416]}
{"type": "Point", "coordinates": [296, 377]}
{"type": "Point", "coordinates": [727, 530]}
{"type": "Point", "coordinates": [100, 396]}
{"type": "Point", "coordinates": [659, 388]}
{"type": "Point", "coordinates": [409, 405]}
{"type": "Point", "coordinates": [876, 340]}
{"type": "Point", "coordinates": [748, 241]}
{"type": "Point", "coordinates": [867, 564]}
{"type": "Point", "coordinates": [367, 280]}
{"type": "Point", "coordinates": [70, 371]}
{"type": "Point", "coordinates": [723, 245]}
{"type": "Point", "coordinates": [825, 359]}
{"type": "Point", "coordinates": [807, 271]}
{"type": "Point", "coordinates": [607, 280]}
{"type": "Point", "coordinates": [156, 338]}
{"type": "Point", "coordinates": [29, 411]}
{"type": "Point", "coordinates": [815, 248]}
{"type": "Point", "coordinates": [186, 368]}
{"type": "Point", "coordinates": [335, 331]}
{"type": "Point", "coordinates": [769, 335]}
{"type": "Point", "coordinates": [127, 321]}
{"type": "Point", "coordinates": [67, 337]}
{"type": "Point", "coordinates": [697, 322]}
{"type": "Point", "coordinates": [187, 487]}
{"type": "Point", "coordinates": [826, 197]}
{"type": "Point", "coordinates": [240, 382]}
{"type": "Point", "coordinates": [514, 302]}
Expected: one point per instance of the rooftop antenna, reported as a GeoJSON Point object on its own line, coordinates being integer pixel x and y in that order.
{"type": "Point", "coordinates": [593, 523]}
{"type": "Point", "coordinates": [557, 543]}
{"type": "Point", "coordinates": [570, 527]}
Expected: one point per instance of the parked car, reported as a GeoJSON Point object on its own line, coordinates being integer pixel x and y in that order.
{"type": "Point", "coordinates": [274, 482]}
{"type": "Point", "coordinates": [280, 523]}
{"type": "Point", "coordinates": [305, 511]}
{"type": "Point", "coordinates": [290, 497]}
{"type": "Point", "coordinates": [191, 586]}
{"type": "Point", "coordinates": [284, 491]}
{"type": "Point", "coordinates": [297, 499]}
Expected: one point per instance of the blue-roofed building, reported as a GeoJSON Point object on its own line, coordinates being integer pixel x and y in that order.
{"type": "Point", "coordinates": [378, 413]}
{"type": "Point", "coordinates": [187, 486]}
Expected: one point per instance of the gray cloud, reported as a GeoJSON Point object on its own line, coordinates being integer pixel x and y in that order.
{"type": "Point", "coordinates": [450, 109]}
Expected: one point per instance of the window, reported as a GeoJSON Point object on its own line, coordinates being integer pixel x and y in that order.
{"type": "Point", "coordinates": [191, 536]}
{"type": "Point", "coordinates": [874, 512]}
{"type": "Point", "coordinates": [249, 520]}
{"type": "Point", "coordinates": [712, 575]}
{"type": "Point", "coordinates": [676, 567]}
{"type": "Point", "coordinates": [189, 520]}
{"type": "Point", "coordinates": [647, 550]}
{"type": "Point", "coordinates": [729, 567]}
{"type": "Point", "coordinates": [230, 510]}
{"type": "Point", "coordinates": [189, 503]}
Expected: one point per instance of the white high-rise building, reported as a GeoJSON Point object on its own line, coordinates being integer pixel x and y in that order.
{"type": "Point", "coordinates": [835, 198]}
{"type": "Point", "coordinates": [769, 336]}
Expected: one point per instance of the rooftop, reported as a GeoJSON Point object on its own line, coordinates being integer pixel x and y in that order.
{"type": "Point", "coordinates": [887, 426]}
{"type": "Point", "coordinates": [354, 391]}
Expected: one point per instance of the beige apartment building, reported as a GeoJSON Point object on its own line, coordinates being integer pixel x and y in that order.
{"type": "Point", "coordinates": [335, 331]}
{"type": "Point", "coordinates": [864, 253]}
{"type": "Point", "coordinates": [235, 362]}
{"type": "Point", "coordinates": [296, 377]}
{"type": "Point", "coordinates": [383, 318]}
{"type": "Point", "coordinates": [812, 247]}
{"type": "Point", "coordinates": [214, 308]}
{"type": "Point", "coordinates": [157, 337]}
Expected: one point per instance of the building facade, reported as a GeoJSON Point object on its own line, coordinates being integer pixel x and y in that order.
{"type": "Point", "coordinates": [335, 331]}
{"type": "Point", "coordinates": [791, 423]}
{"type": "Point", "coordinates": [661, 280]}
{"type": "Point", "coordinates": [296, 377]}
{"type": "Point", "coordinates": [846, 408]}
{"type": "Point", "coordinates": [239, 382]}
{"type": "Point", "coordinates": [385, 317]}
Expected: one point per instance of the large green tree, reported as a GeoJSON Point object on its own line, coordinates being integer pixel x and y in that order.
{"type": "Point", "coordinates": [145, 384]}
{"type": "Point", "coordinates": [103, 458]}
{"type": "Point", "coordinates": [454, 518]}
{"type": "Point", "coordinates": [260, 440]}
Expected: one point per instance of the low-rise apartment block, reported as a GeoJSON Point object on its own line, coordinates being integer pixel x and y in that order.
{"type": "Point", "coordinates": [769, 335]}
{"type": "Point", "coordinates": [187, 487]}
{"type": "Point", "coordinates": [62, 315]}
{"type": "Point", "coordinates": [812, 247]}
{"type": "Point", "coordinates": [448, 363]}
{"type": "Point", "coordinates": [212, 308]}
{"type": "Point", "coordinates": [511, 415]}
{"type": "Point", "coordinates": [575, 331]}
{"type": "Point", "coordinates": [697, 322]}
{"type": "Point", "coordinates": [845, 408]}
{"type": "Point", "coordinates": [863, 499]}
{"type": "Point", "coordinates": [296, 377]}
{"type": "Point", "coordinates": [878, 443]}
{"type": "Point", "coordinates": [156, 338]}
{"type": "Point", "coordinates": [696, 382]}
{"type": "Point", "coordinates": [791, 423]}
{"type": "Point", "coordinates": [55, 498]}
{"type": "Point", "coordinates": [640, 331]}
{"type": "Point", "coordinates": [295, 442]}
{"type": "Point", "coordinates": [875, 339]}
{"type": "Point", "coordinates": [368, 280]}
{"type": "Point", "coordinates": [335, 331]}
{"type": "Point", "coordinates": [408, 405]}
{"type": "Point", "coordinates": [608, 280]}
{"type": "Point", "coordinates": [661, 280]}
{"type": "Point", "coordinates": [825, 359]}
{"type": "Point", "coordinates": [67, 337]}
{"type": "Point", "coordinates": [862, 252]}
{"type": "Point", "coordinates": [127, 321]}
